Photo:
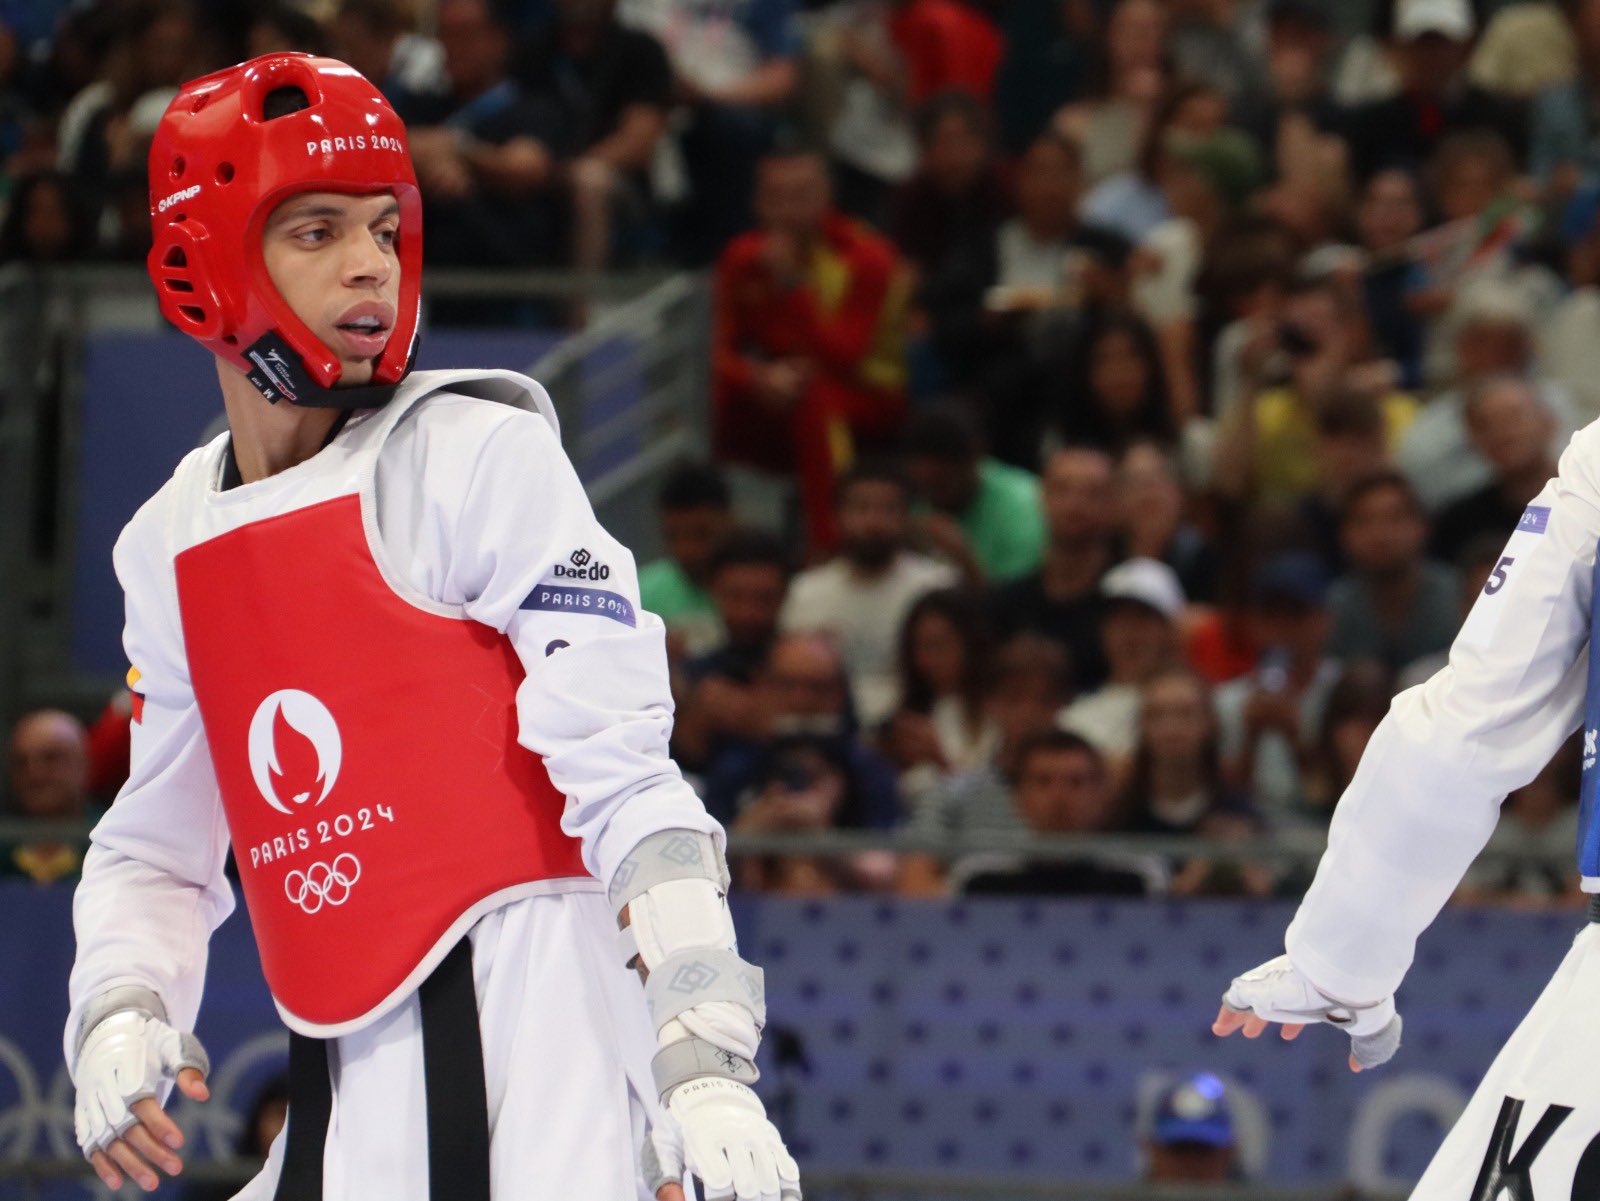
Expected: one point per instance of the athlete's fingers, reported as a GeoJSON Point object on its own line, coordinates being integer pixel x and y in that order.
{"type": "Point", "coordinates": [144, 1142]}
{"type": "Point", "coordinates": [1255, 1027]}
{"type": "Point", "coordinates": [193, 1086]}
{"type": "Point", "coordinates": [745, 1186]}
{"type": "Point", "coordinates": [106, 1170]}
{"type": "Point", "coordinates": [156, 1121]}
{"type": "Point", "coordinates": [129, 1161]}
{"type": "Point", "coordinates": [1291, 1031]}
{"type": "Point", "coordinates": [671, 1191]}
{"type": "Point", "coordinates": [1229, 1019]}
{"type": "Point", "coordinates": [767, 1173]}
{"type": "Point", "coordinates": [1354, 1066]}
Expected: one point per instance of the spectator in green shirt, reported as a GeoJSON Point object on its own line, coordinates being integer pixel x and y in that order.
{"type": "Point", "coordinates": [980, 513]}
{"type": "Point", "coordinates": [696, 514]}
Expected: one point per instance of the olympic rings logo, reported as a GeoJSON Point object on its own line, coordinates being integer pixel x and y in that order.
{"type": "Point", "coordinates": [321, 884]}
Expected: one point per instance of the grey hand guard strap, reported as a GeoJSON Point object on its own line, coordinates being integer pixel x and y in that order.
{"type": "Point", "coordinates": [116, 1000]}
{"type": "Point", "coordinates": [689, 1059]}
{"type": "Point", "coordinates": [668, 855]}
{"type": "Point", "coordinates": [1370, 1050]}
{"type": "Point", "coordinates": [702, 974]}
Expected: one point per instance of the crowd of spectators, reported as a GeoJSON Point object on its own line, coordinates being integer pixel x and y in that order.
{"type": "Point", "coordinates": [1114, 402]}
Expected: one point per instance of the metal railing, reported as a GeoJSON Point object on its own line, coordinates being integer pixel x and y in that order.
{"type": "Point", "coordinates": [1285, 848]}
{"type": "Point", "coordinates": [631, 390]}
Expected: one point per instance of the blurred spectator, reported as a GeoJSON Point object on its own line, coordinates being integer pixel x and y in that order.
{"type": "Point", "coordinates": [609, 89]}
{"type": "Point", "coordinates": [1109, 127]}
{"type": "Point", "coordinates": [1528, 46]}
{"type": "Point", "coordinates": [736, 66]}
{"type": "Point", "coordinates": [1358, 702]}
{"type": "Point", "coordinates": [1114, 391]}
{"type": "Point", "coordinates": [1511, 429]}
{"type": "Point", "coordinates": [1207, 44]}
{"type": "Point", "coordinates": [1062, 787]}
{"type": "Point", "coordinates": [1021, 296]}
{"type": "Point", "coordinates": [1026, 686]}
{"type": "Point", "coordinates": [1143, 602]}
{"type": "Point", "coordinates": [277, 28]}
{"type": "Point", "coordinates": [1389, 216]}
{"type": "Point", "coordinates": [1153, 525]}
{"type": "Point", "coordinates": [483, 151]}
{"type": "Point", "coordinates": [696, 515]}
{"type": "Point", "coordinates": [862, 595]}
{"type": "Point", "coordinates": [940, 726]}
{"type": "Point", "coordinates": [1267, 445]}
{"type": "Point", "coordinates": [809, 735]}
{"type": "Point", "coordinates": [948, 210]}
{"type": "Point", "coordinates": [376, 38]}
{"type": "Point", "coordinates": [1062, 599]}
{"type": "Point", "coordinates": [900, 54]}
{"type": "Point", "coordinates": [1047, 53]}
{"type": "Point", "coordinates": [44, 223]}
{"type": "Point", "coordinates": [1132, 202]}
{"type": "Point", "coordinates": [1495, 338]}
{"type": "Point", "coordinates": [1538, 821]}
{"type": "Point", "coordinates": [985, 516]}
{"type": "Point", "coordinates": [1569, 353]}
{"type": "Point", "coordinates": [1431, 44]}
{"type": "Point", "coordinates": [1297, 100]}
{"type": "Point", "coordinates": [1191, 1139]}
{"type": "Point", "coordinates": [1394, 605]}
{"type": "Point", "coordinates": [807, 353]}
{"type": "Point", "coordinates": [1351, 444]}
{"type": "Point", "coordinates": [748, 579]}
{"type": "Point", "coordinates": [1564, 153]}
{"type": "Point", "coordinates": [48, 765]}
{"type": "Point", "coordinates": [17, 114]}
{"type": "Point", "coordinates": [1269, 720]}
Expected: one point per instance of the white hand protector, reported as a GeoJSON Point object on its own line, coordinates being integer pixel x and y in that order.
{"type": "Point", "coordinates": [729, 1143]}
{"type": "Point", "coordinates": [1278, 992]}
{"type": "Point", "coordinates": [126, 1056]}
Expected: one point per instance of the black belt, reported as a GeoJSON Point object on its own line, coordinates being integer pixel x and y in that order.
{"type": "Point", "coordinates": [1594, 908]}
{"type": "Point", "coordinates": [457, 1098]}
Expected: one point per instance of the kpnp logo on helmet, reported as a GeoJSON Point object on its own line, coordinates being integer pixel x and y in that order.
{"type": "Point", "coordinates": [295, 750]}
{"type": "Point", "coordinates": [188, 193]}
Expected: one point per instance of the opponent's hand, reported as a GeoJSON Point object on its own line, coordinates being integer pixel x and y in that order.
{"type": "Point", "coordinates": [117, 1118]}
{"type": "Point", "coordinates": [729, 1143]}
{"type": "Point", "coordinates": [1277, 992]}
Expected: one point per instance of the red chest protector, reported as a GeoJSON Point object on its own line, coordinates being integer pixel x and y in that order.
{"type": "Point", "coordinates": [366, 750]}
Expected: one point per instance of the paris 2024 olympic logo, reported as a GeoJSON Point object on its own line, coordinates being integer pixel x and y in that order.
{"type": "Point", "coordinates": [295, 751]}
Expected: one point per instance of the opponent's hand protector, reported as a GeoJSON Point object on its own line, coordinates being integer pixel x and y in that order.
{"type": "Point", "coordinates": [728, 1143]}
{"type": "Point", "coordinates": [126, 1056]}
{"type": "Point", "coordinates": [1277, 992]}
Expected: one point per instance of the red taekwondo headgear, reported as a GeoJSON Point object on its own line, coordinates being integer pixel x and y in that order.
{"type": "Point", "coordinates": [221, 162]}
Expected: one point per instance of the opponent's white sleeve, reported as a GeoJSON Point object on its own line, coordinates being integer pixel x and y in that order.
{"type": "Point", "coordinates": [1427, 793]}
{"type": "Point", "coordinates": [498, 511]}
{"type": "Point", "coordinates": [153, 887]}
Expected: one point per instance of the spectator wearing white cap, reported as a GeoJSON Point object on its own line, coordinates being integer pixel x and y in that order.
{"type": "Point", "coordinates": [1143, 602]}
{"type": "Point", "coordinates": [1430, 46]}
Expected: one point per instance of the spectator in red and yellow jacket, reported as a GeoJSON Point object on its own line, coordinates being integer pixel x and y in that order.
{"type": "Point", "coordinates": [808, 360]}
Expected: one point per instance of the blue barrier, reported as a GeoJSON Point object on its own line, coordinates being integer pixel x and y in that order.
{"type": "Point", "coordinates": [986, 1036]}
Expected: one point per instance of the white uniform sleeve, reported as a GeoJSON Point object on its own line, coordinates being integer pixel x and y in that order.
{"type": "Point", "coordinates": [1426, 795]}
{"type": "Point", "coordinates": [153, 886]}
{"type": "Point", "coordinates": [505, 513]}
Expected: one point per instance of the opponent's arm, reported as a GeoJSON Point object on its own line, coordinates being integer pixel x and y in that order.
{"type": "Point", "coordinates": [1427, 793]}
{"type": "Point", "coordinates": [152, 891]}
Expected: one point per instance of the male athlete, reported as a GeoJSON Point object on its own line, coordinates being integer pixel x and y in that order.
{"type": "Point", "coordinates": [383, 648]}
{"type": "Point", "coordinates": [1423, 803]}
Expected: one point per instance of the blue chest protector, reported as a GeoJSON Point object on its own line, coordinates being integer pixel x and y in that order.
{"type": "Point", "coordinates": [1589, 811]}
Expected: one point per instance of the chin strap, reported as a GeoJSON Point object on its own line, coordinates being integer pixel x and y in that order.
{"type": "Point", "coordinates": [278, 373]}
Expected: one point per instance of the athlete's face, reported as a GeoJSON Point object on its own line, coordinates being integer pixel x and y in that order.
{"type": "Point", "coordinates": [332, 258]}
